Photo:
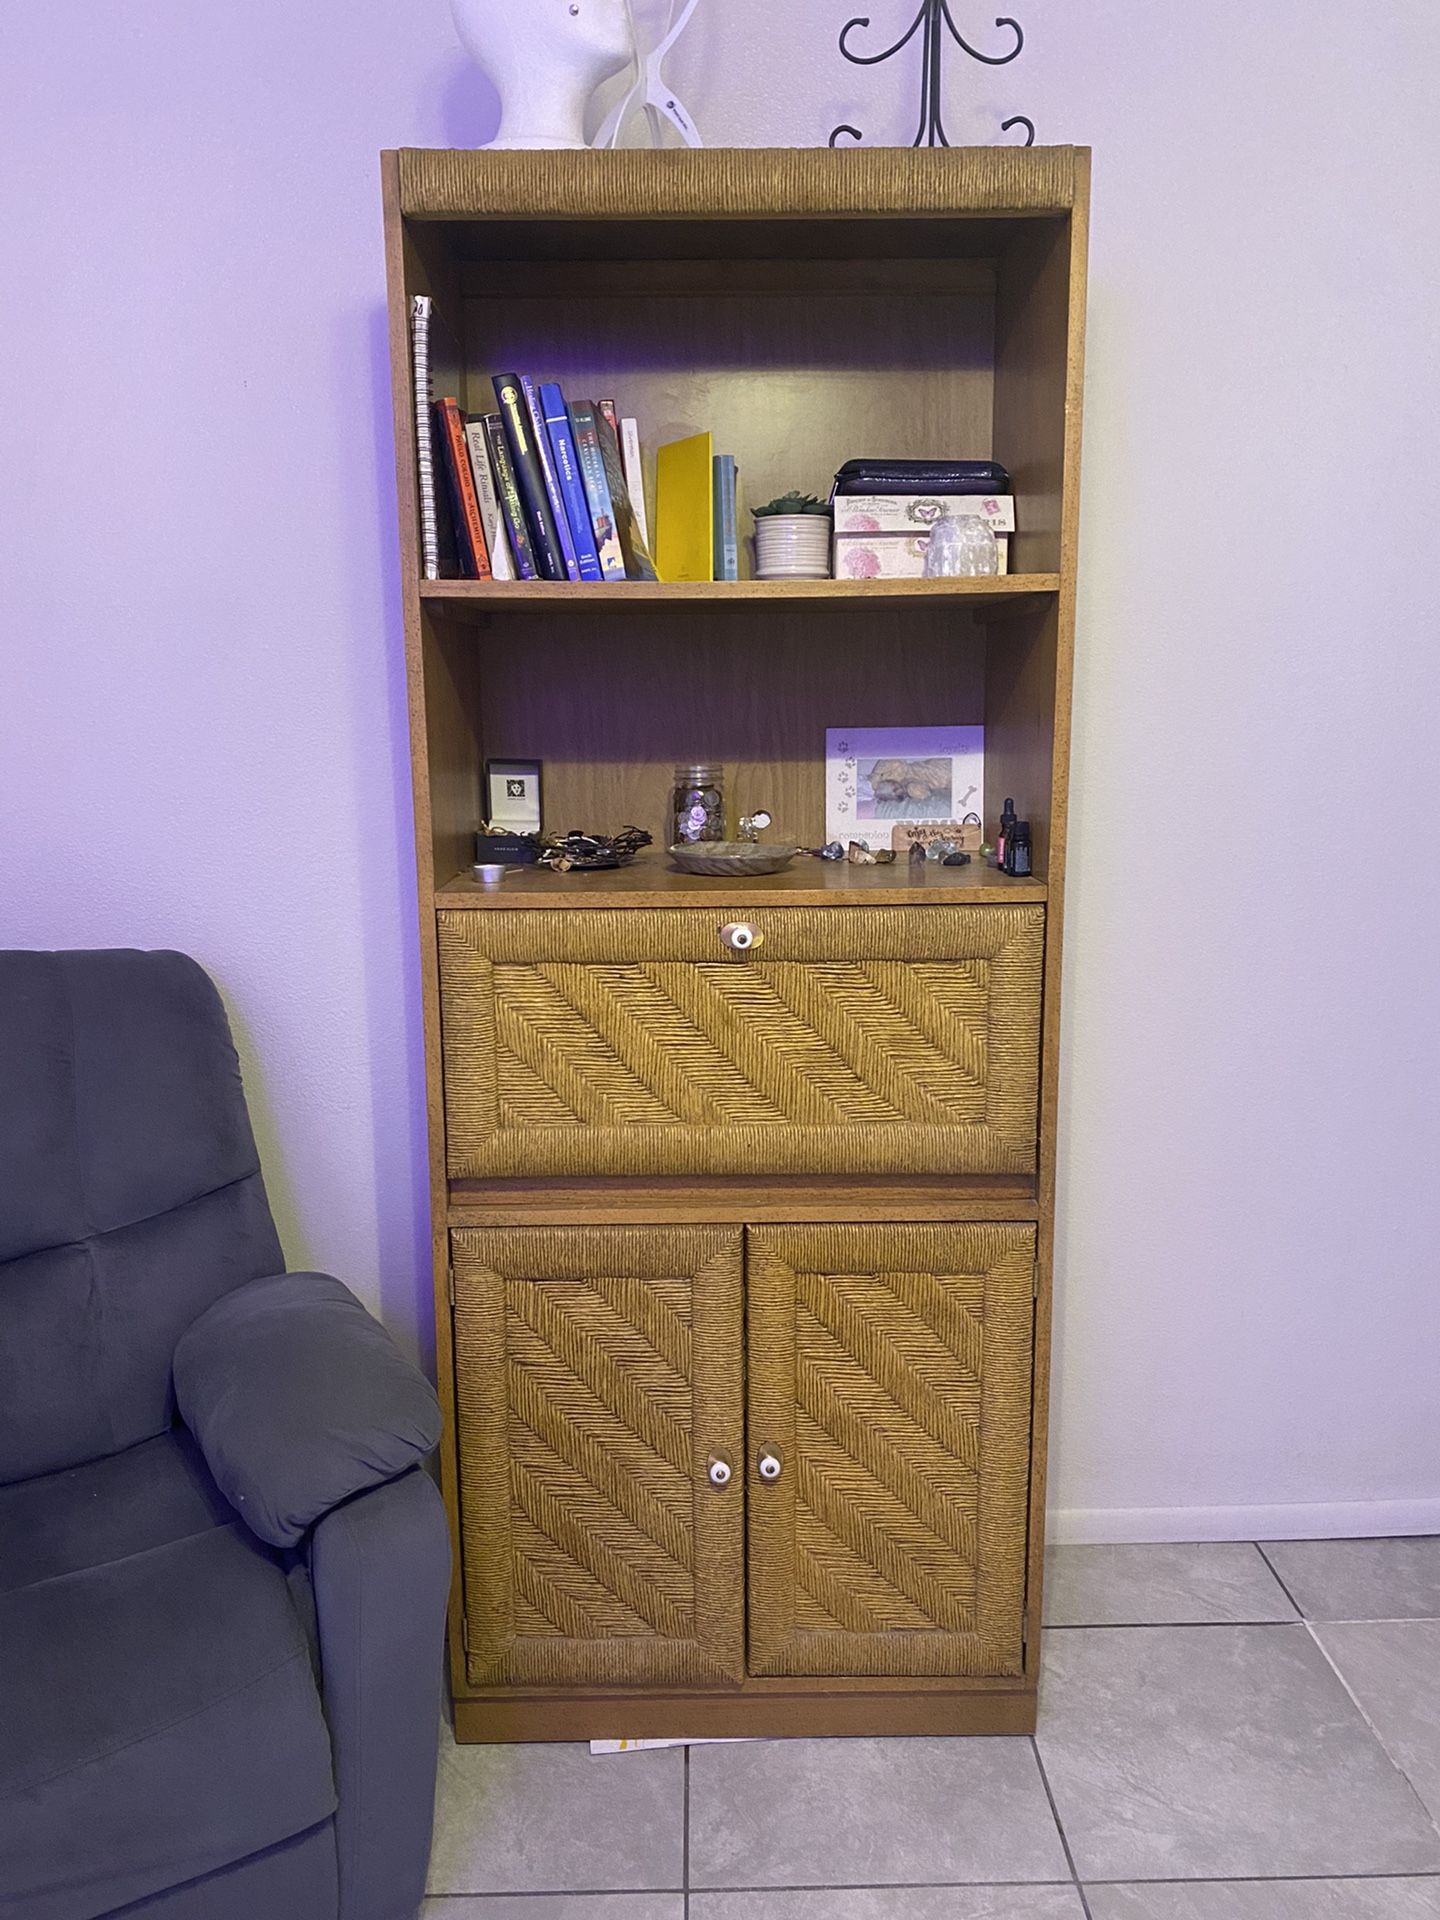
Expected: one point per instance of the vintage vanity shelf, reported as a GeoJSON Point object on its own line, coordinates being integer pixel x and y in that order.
{"type": "Point", "coordinates": [743, 1247]}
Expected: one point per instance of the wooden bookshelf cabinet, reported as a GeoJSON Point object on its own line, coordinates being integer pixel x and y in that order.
{"type": "Point", "coordinates": [743, 1259]}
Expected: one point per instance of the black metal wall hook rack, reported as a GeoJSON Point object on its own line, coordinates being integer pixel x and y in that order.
{"type": "Point", "coordinates": [936, 21]}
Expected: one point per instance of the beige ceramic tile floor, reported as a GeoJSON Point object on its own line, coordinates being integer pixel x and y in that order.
{"type": "Point", "coordinates": [1226, 1733]}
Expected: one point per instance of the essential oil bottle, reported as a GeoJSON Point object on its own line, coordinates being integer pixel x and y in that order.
{"type": "Point", "coordinates": [1007, 822]}
{"type": "Point", "coordinates": [1017, 850]}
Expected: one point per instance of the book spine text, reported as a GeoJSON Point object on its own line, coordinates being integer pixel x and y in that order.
{"type": "Point", "coordinates": [568, 556]}
{"type": "Point", "coordinates": [597, 492]}
{"type": "Point", "coordinates": [525, 457]}
{"type": "Point", "coordinates": [572, 487]}
{"type": "Point", "coordinates": [635, 474]}
{"type": "Point", "coordinates": [638, 564]}
{"type": "Point", "coordinates": [502, 563]}
{"type": "Point", "coordinates": [727, 530]}
{"type": "Point", "coordinates": [512, 507]}
{"type": "Point", "coordinates": [471, 529]}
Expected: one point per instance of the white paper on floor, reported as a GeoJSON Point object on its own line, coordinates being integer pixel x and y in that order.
{"type": "Point", "coordinates": [642, 1746]}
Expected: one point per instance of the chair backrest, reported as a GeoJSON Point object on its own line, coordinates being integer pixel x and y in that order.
{"type": "Point", "coordinates": [130, 1195]}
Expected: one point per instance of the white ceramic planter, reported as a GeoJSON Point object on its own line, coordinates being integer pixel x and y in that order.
{"type": "Point", "coordinates": [793, 546]}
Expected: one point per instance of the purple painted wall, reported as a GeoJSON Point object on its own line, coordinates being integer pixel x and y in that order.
{"type": "Point", "coordinates": [201, 713]}
{"type": "Point", "coordinates": [201, 737]}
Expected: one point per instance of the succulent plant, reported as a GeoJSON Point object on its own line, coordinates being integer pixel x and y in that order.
{"type": "Point", "coordinates": [792, 503]}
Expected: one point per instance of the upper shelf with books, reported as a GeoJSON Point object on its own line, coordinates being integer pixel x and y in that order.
{"type": "Point", "coordinates": [477, 597]}
{"type": "Point", "coordinates": [638, 351]}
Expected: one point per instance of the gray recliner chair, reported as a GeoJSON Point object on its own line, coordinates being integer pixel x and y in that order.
{"type": "Point", "coordinates": [223, 1568]}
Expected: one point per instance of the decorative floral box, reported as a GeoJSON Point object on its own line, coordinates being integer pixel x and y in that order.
{"type": "Point", "coordinates": [892, 556]}
{"type": "Point", "coordinates": [914, 513]}
{"type": "Point", "coordinates": [883, 536]}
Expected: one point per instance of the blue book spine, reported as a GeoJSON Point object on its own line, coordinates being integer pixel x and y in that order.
{"type": "Point", "coordinates": [572, 486]}
{"type": "Point", "coordinates": [529, 480]}
{"type": "Point", "coordinates": [551, 477]}
{"type": "Point", "coordinates": [597, 491]}
{"type": "Point", "coordinates": [727, 520]}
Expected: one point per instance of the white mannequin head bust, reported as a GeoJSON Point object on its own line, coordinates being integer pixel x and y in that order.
{"type": "Point", "coordinates": [546, 58]}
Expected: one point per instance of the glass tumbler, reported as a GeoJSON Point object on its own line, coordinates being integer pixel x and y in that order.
{"type": "Point", "coordinates": [961, 547]}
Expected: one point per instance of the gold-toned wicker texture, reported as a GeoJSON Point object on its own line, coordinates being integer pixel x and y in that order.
{"type": "Point", "coordinates": [889, 1366]}
{"type": "Point", "coordinates": [736, 182]}
{"type": "Point", "coordinates": [854, 1040]}
{"type": "Point", "coordinates": [597, 1371]}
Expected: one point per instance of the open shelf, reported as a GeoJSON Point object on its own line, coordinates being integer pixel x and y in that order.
{"type": "Point", "coordinates": [495, 596]}
{"type": "Point", "coordinates": [652, 882]}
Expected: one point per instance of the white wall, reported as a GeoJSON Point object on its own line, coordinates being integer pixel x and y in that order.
{"type": "Point", "coordinates": [201, 726]}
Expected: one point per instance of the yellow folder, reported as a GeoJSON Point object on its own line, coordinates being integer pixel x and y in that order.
{"type": "Point", "coordinates": [685, 509]}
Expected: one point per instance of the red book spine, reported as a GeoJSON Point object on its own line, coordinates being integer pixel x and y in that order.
{"type": "Point", "coordinates": [459, 450]}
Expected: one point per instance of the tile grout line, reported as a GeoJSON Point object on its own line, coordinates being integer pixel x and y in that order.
{"type": "Point", "coordinates": [905, 1886]}
{"type": "Point", "coordinates": [1277, 1577]}
{"type": "Point", "coordinates": [1060, 1828]}
{"type": "Point", "coordinates": [557, 1893]}
{"type": "Point", "coordinates": [1348, 1620]}
{"type": "Point", "coordinates": [1388, 1620]}
{"type": "Point", "coordinates": [934, 1886]}
{"type": "Point", "coordinates": [1359, 1706]}
{"type": "Point", "coordinates": [1165, 1626]}
{"type": "Point", "coordinates": [929, 1886]}
{"type": "Point", "coordinates": [685, 1844]}
{"type": "Point", "coordinates": [1272, 1880]}
{"type": "Point", "coordinates": [1309, 1625]}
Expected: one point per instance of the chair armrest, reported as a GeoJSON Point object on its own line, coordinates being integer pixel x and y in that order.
{"type": "Point", "coordinates": [299, 1400]}
{"type": "Point", "coordinates": [380, 1570]}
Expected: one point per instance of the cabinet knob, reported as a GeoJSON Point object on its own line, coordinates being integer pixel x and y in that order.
{"type": "Point", "coordinates": [720, 1471]}
{"type": "Point", "coordinates": [769, 1465]}
{"type": "Point", "coordinates": [740, 937]}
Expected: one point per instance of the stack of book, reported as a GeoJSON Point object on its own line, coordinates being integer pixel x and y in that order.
{"type": "Point", "coordinates": [550, 487]}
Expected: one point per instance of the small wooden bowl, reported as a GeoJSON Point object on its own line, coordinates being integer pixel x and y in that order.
{"type": "Point", "coordinates": [732, 859]}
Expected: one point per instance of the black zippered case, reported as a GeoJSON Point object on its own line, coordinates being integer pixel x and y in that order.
{"type": "Point", "coordinates": [921, 476]}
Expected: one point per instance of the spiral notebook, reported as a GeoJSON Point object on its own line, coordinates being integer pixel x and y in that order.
{"type": "Point", "coordinates": [420, 308]}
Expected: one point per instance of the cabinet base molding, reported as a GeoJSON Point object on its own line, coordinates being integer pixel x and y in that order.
{"type": "Point", "coordinates": [770, 1716]}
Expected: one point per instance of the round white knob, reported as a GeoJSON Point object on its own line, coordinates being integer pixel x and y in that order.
{"type": "Point", "coordinates": [769, 1466]}
{"type": "Point", "coordinates": [740, 937]}
{"type": "Point", "coordinates": [720, 1472]}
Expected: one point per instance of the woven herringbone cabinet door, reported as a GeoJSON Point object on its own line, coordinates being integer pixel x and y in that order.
{"type": "Point", "coordinates": [597, 1373]}
{"type": "Point", "coordinates": [890, 1374]}
{"type": "Point", "coordinates": [854, 1040]}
